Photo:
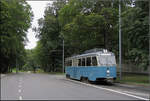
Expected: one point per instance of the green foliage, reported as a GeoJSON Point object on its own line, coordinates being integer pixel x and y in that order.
{"type": "Point", "coordinates": [134, 79]}
{"type": "Point", "coordinates": [82, 29]}
{"type": "Point", "coordinates": [30, 61]}
{"type": "Point", "coordinates": [15, 18]}
{"type": "Point", "coordinates": [84, 20]}
{"type": "Point", "coordinates": [135, 28]}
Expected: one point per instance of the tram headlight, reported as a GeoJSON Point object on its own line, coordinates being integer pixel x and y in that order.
{"type": "Point", "coordinates": [108, 71]}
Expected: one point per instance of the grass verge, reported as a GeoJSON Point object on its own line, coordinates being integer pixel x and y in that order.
{"type": "Point", "coordinates": [134, 79]}
{"type": "Point", "coordinates": [56, 73]}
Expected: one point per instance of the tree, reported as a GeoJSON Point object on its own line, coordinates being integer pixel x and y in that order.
{"type": "Point", "coordinates": [84, 19]}
{"type": "Point", "coordinates": [50, 41]}
{"type": "Point", "coordinates": [135, 30]}
{"type": "Point", "coordinates": [15, 18]}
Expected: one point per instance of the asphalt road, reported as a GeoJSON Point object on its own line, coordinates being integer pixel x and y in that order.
{"type": "Point", "coordinates": [29, 86]}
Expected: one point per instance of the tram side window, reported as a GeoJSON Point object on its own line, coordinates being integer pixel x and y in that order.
{"type": "Point", "coordinates": [94, 61]}
{"type": "Point", "coordinates": [83, 62]}
{"type": "Point", "coordinates": [70, 62]}
{"type": "Point", "coordinates": [79, 62]}
{"type": "Point", "coordinates": [66, 63]}
{"type": "Point", "coordinates": [88, 61]}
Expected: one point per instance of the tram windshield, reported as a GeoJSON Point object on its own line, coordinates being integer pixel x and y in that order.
{"type": "Point", "coordinates": [107, 60]}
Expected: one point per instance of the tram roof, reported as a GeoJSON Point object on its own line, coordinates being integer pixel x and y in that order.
{"type": "Point", "coordinates": [92, 54]}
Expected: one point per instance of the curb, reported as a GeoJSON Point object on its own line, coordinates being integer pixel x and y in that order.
{"type": "Point", "coordinates": [144, 88]}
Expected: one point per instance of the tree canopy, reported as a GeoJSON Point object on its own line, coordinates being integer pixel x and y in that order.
{"type": "Point", "coordinates": [16, 17]}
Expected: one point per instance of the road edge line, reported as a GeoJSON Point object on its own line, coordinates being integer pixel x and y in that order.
{"type": "Point", "coordinates": [20, 97]}
{"type": "Point", "coordinates": [141, 98]}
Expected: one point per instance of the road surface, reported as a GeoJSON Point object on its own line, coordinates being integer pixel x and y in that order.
{"type": "Point", "coordinates": [29, 86]}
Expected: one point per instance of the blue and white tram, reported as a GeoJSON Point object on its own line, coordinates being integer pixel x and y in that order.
{"type": "Point", "coordinates": [94, 66]}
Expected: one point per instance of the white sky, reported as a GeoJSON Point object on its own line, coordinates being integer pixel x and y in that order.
{"type": "Point", "coordinates": [38, 8]}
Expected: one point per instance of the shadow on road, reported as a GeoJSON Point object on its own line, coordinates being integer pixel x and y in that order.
{"type": "Point", "coordinates": [104, 83]}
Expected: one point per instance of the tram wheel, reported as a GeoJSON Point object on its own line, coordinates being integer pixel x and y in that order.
{"type": "Point", "coordinates": [67, 76]}
{"type": "Point", "coordinates": [85, 80]}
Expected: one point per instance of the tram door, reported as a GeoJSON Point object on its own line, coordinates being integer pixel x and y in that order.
{"type": "Point", "coordinates": [75, 68]}
{"type": "Point", "coordinates": [75, 72]}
